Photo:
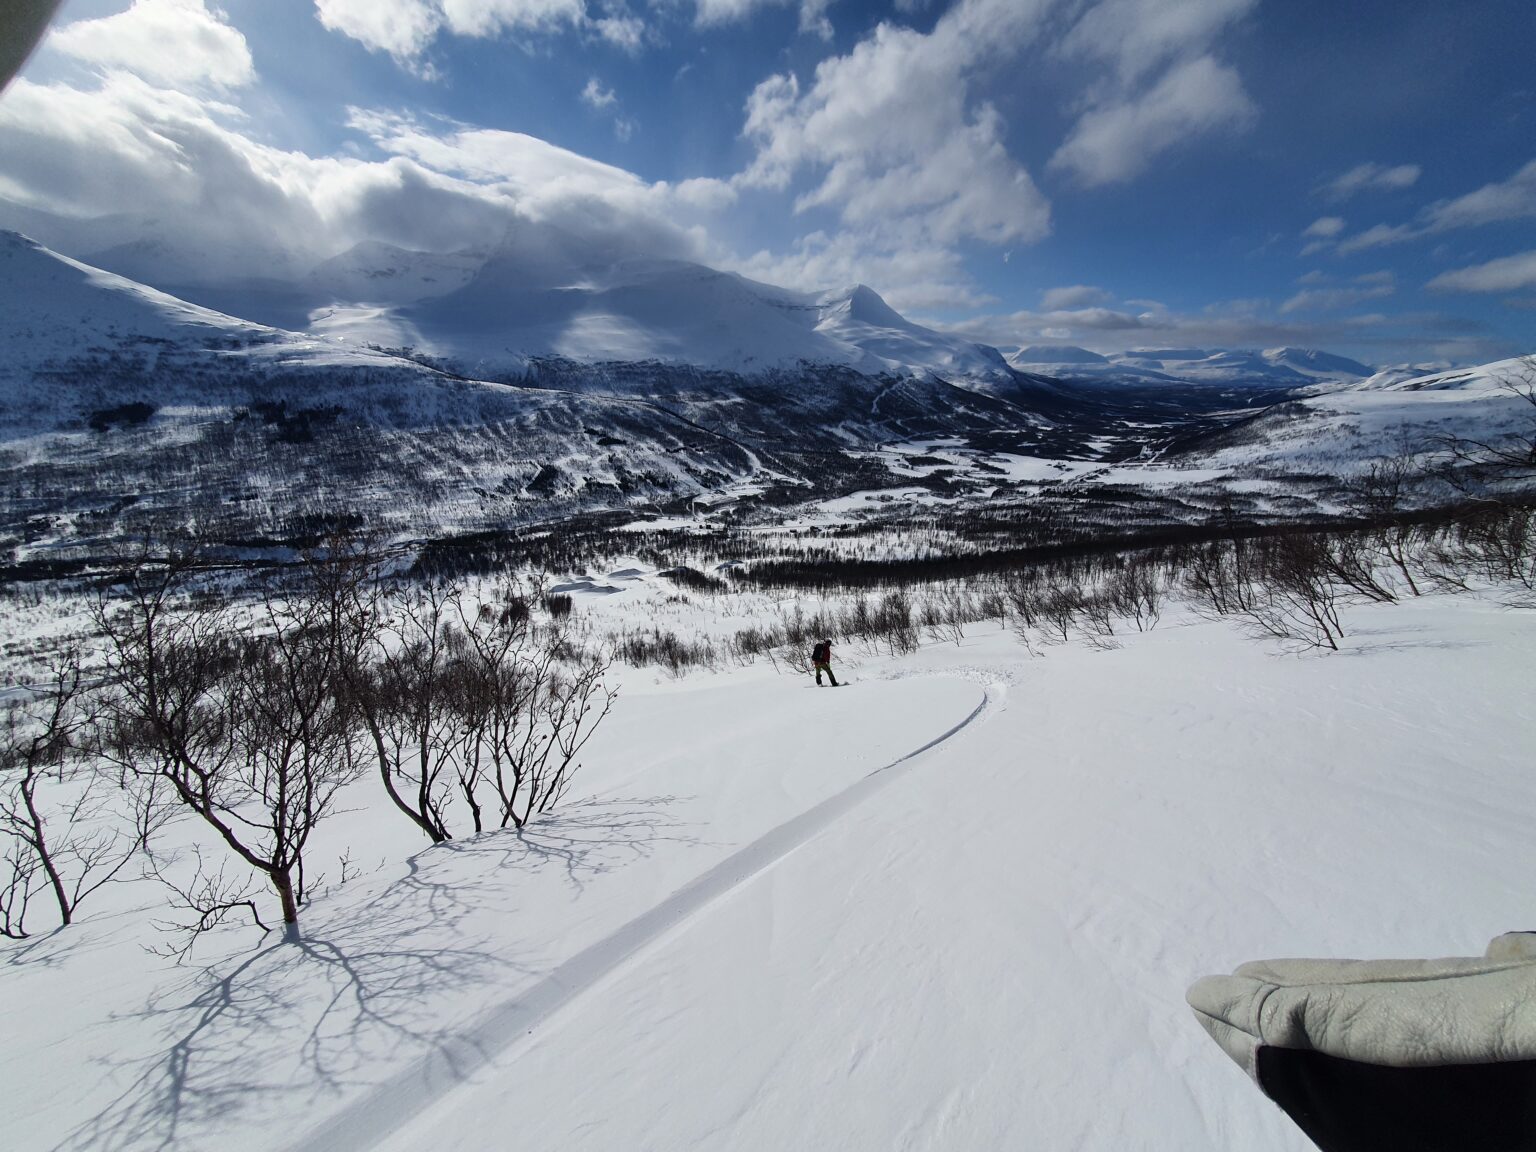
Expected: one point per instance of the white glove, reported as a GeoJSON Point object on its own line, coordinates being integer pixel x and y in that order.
{"type": "Point", "coordinates": [1399, 1054]}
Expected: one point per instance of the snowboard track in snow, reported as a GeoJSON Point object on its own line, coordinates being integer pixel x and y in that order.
{"type": "Point", "coordinates": [384, 1109]}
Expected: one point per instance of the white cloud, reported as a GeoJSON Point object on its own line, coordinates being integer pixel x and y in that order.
{"type": "Point", "coordinates": [900, 150]}
{"type": "Point", "coordinates": [403, 28]}
{"type": "Point", "coordinates": [492, 17]}
{"type": "Point", "coordinates": [1506, 274]}
{"type": "Point", "coordinates": [594, 95]}
{"type": "Point", "coordinates": [406, 28]}
{"type": "Point", "coordinates": [1378, 236]}
{"type": "Point", "coordinates": [624, 31]}
{"type": "Point", "coordinates": [605, 100]}
{"type": "Point", "coordinates": [1137, 36]}
{"type": "Point", "coordinates": [1165, 84]}
{"type": "Point", "coordinates": [813, 13]}
{"type": "Point", "coordinates": [199, 199]}
{"type": "Point", "coordinates": [1325, 227]}
{"type": "Point", "coordinates": [1333, 299]}
{"type": "Point", "coordinates": [1075, 296]}
{"type": "Point", "coordinates": [1512, 199]}
{"type": "Point", "coordinates": [1371, 176]}
{"type": "Point", "coordinates": [894, 139]}
{"type": "Point", "coordinates": [1116, 141]}
{"type": "Point", "coordinates": [909, 277]}
{"type": "Point", "coordinates": [176, 43]}
{"type": "Point", "coordinates": [1498, 202]}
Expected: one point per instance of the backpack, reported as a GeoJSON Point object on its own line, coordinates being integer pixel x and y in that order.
{"type": "Point", "coordinates": [819, 654]}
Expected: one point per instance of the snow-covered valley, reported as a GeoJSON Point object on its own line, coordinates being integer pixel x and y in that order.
{"type": "Point", "coordinates": [125, 411]}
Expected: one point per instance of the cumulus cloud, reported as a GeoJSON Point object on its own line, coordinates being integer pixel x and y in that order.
{"type": "Point", "coordinates": [1075, 296]}
{"type": "Point", "coordinates": [405, 28]}
{"type": "Point", "coordinates": [1371, 176]}
{"type": "Point", "coordinates": [893, 143]}
{"type": "Point", "coordinates": [594, 95]}
{"type": "Point", "coordinates": [1117, 141]}
{"type": "Point", "coordinates": [201, 200]}
{"type": "Point", "coordinates": [1506, 274]}
{"type": "Point", "coordinates": [1137, 36]}
{"type": "Point", "coordinates": [813, 13]}
{"type": "Point", "coordinates": [925, 276]}
{"type": "Point", "coordinates": [1166, 84]}
{"type": "Point", "coordinates": [623, 30]}
{"type": "Point", "coordinates": [176, 43]}
{"type": "Point", "coordinates": [605, 100]}
{"type": "Point", "coordinates": [894, 139]}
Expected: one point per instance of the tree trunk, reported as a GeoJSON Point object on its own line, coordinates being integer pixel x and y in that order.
{"type": "Point", "coordinates": [282, 880]}
{"type": "Point", "coordinates": [39, 842]}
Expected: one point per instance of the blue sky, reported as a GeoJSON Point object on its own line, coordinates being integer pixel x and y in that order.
{"type": "Point", "coordinates": [1112, 173]}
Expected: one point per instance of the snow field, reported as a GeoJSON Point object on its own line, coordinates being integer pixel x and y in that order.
{"type": "Point", "coordinates": [732, 935]}
{"type": "Point", "coordinates": [993, 953]}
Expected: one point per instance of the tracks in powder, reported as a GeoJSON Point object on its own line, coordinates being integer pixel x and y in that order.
{"type": "Point", "coordinates": [387, 1107]}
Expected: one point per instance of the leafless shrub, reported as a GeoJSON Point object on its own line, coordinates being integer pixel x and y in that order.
{"type": "Point", "coordinates": [1222, 577]}
{"type": "Point", "coordinates": [240, 716]}
{"type": "Point", "coordinates": [1383, 495]}
{"type": "Point", "coordinates": [1058, 609]}
{"type": "Point", "coordinates": [1136, 594]}
{"type": "Point", "coordinates": [1297, 599]}
{"type": "Point", "coordinates": [523, 718]}
{"type": "Point", "coordinates": [1350, 560]}
{"type": "Point", "coordinates": [399, 654]}
{"type": "Point", "coordinates": [54, 805]}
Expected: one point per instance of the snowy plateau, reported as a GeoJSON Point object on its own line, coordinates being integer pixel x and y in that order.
{"type": "Point", "coordinates": [1154, 663]}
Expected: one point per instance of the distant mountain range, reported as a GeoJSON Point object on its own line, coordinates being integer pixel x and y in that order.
{"type": "Point", "coordinates": [448, 394]}
{"type": "Point", "coordinates": [1276, 366]}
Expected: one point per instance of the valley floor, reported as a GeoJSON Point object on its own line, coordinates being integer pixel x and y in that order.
{"type": "Point", "coordinates": [763, 923]}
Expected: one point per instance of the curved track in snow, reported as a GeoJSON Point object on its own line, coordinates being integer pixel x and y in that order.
{"type": "Point", "coordinates": [380, 1111]}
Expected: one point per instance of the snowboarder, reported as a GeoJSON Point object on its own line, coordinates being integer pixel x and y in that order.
{"type": "Point", "coordinates": [821, 657]}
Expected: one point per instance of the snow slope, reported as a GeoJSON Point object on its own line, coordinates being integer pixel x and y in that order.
{"type": "Point", "coordinates": [1284, 367]}
{"type": "Point", "coordinates": [1281, 366]}
{"type": "Point", "coordinates": [57, 313]}
{"type": "Point", "coordinates": [677, 312]}
{"type": "Point", "coordinates": [985, 946]}
{"type": "Point", "coordinates": [1341, 430]}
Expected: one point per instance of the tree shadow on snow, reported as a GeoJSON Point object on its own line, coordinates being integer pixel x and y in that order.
{"type": "Point", "coordinates": [296, 1029]}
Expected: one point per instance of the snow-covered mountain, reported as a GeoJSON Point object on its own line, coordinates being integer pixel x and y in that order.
{"type": "Point", "coordinates": [506, 400]}
{"type": "Point", "coordinates": [1283, 367]}
{"type": "Point", "coordinates": [1342, 430]}
{"type": "Point", "coordinates": [1318, 365]}
{"type": "Point", "coordinates": [74, 338]}
{"type": "Point", "coordinates": [509, 313]}
{"type": "Point", "coordinates": [1066, 362]}
{"type": "Point", "coordinates": [114, 395]}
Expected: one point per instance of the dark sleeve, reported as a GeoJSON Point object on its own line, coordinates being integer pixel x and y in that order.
{"type": "Point", "coordinates": [1350, 1106]}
